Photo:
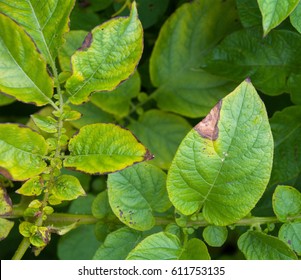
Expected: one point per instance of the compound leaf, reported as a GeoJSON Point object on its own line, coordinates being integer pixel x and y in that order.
{"type": "Point", "coordinates": [104, 148]}
{"type": "Point", "coordinates": [23, 71]}
{"type": "Point", "coordinates": [108, 56]}
{"type": "Point", "coordinates": [223, 165]}
{"type": "Point", "coordinates": [260, 246]}
{"type": "Point", "coordinates": [21, 152]}
{"type": "Point", "coordinates": [136, 193]}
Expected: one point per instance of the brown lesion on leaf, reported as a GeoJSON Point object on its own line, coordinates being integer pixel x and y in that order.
{"type": "Point", "coordinates": [6, 173]}
{"type": "Point", "coordinates": [208, 127]}
{"type": "Point", "coordinates": [87, 42]}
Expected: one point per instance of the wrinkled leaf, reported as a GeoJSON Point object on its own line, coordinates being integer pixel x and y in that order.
{"type": "Point", "coordinates": [109, 55]}
{"type": "Point", "coordinates": [45, 21]}
{"type": "Point", "coordinates": [223, 165]}
{"type": "Point", "coordinates": [31, 187]}
{"type": "Point", "coordinates": [215, 236]}
{"type": "Point", "coordinates": [136, 193]}
{"type": "Point", "coordinates": [183, 40]}
{"type": "Point", "coordinates": [47, 124]}
{"type": "Point", "coordinates": [21, 152]}
{"type": "Point", "coordinates": [6, 205]}
{"type": "Point", "coordinates": [274, 12]}
{"type": "Point", "coordinates": [290, 233]}
{"type": "Point", "coordinates": [162, 133]}
{"type": "Point", "coordinates": [260, 246]}
{"type": "Point", "coordinates": [104, 148]}
{"type": "Point", "coordinates": [286, 202]}
{"type": "Point", "coordinates": [5, 228]}
{"type": "Point", "coordinates": [23, 71]}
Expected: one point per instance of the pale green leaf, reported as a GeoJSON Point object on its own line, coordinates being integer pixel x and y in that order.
{"type": "Point", "coordinates": [179, 50]}
{"type": "Point", "coordinates": [118, 244]}
{"type": "Point", "coordinates": [45, 21]}
{"type": "Point", "coordinates": [195, 249]}
{"type": "Point", "coordinates": [162, 133]}
{"type": "Point", "coordinates": [47, 124]}
{"type": "Point", "coordinates": [5, 202]}
{"type": "Point", "coordinates": [21, 152]}
{"type": "Point", "coordinates": [274, 12]}
{"type": "Point", "coordinates": [31, 187]}
{"type": "Point", "coordinates": [286, 202]}
{"type": "Point", "coordinates": [5, 100]}
{"type": "Point", "coordinates": [23, 71]}
{"type": "Point", "coordinates": [118, 101]}
{"type": "Point", "coordinates": [215, 236]}
{"type": "Point", "coordinates": [136, 193]}
{"type": "Point", "coordinates": [5, 228]}
{"type": "Point", "coordinates": [290, 233]}
{"type": "Point", "coordinates": [286, 129]}
{"type": "Point", "coordinates": [109, 55]}
{"type": "Point", "coordinates": [295, 18]}
{"type": "Point", "coordinates": [104, 148]}
{"type": "Point", "coordinates": [260, 246]}
{"type": "Point", "coordinates": [223, 165]}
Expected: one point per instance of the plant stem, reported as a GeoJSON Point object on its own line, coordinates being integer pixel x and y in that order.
{"type": "Point", "coordinates": [57, 218]}
{"type": "Point", "coordinates": [25, 243]}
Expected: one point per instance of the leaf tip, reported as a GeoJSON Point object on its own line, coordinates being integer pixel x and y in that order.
{"type": "Point", "coordinates": [248, 80]}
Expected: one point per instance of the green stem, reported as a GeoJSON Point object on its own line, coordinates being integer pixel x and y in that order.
{"type": "Point", "coordinates": [64, 218]}
{"type": "Point", "coordinates": [25, 243]}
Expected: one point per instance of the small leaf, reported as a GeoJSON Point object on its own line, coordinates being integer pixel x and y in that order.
{"type": "Point", "coordinates": [109, 55]}
{"type": "Point", "coordinates": [6, 205]}
{"type": "Point", "coordinates": [158, 246]}
{"type": "Point", "coordinates": [5, 228]}
{"type": "Point", "coordinates": [286, 202]}
{"type": "Point", "coordinates": [162, 133]}
{"type": "Point", "coordinates": [195, 249]}
{"type": "Point", "coordinates": [31, 187]}
{"type": "Point", "coordinates": [215, 236]}
{"type": "Point", "coordinates": [45, 21]}
{"type": "Point", "coordinates": [26, 229]}
{"type": "Point", "coordinates": [136, 193]}
{"type": "Point", "coordinates": [47, 124]}
{"type": "Point", "coordinates": [290, 233]}
{"type": "Point", "coordinates": [118, 244]}
{"type": "Point", "coordinates": [101, 207]}
{"type": "Point", "coordinates": [260, 246]}
{"type": "Point", "coordinates": [225, 160]}
{"type": "Point", "coordinates": [21, 152]}
{"type": "Point", "coordinates": [274, 12]}
{"type": "Point", "coordinates": [67, 187]}
{"type": "Point", "coordinates": [41, 237]}
{"type": "Point", "coordinates": [23, 71]}
{"type": "Point", "coordinates": [295, 18]}
{"type": "Point", "coordinates": [104, 148]}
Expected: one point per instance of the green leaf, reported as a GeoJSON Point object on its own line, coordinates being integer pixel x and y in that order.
{"type": "Point", "coordinates": [67, 187]}
{"type": "Point", "coordinates": [82, 205]}
{"type": "Point", "coordinates": [195, 249]}
{"type": "Point", "coordinates": [260, 246]}
{"type": "Point", "coordinates": [215, 236]}
{"type": "Point", "coordinates": [286, 202]}
{"type": "Point", "coordinates": [178, 53]}
{"type": "Point", "coordinates": [45, 21]}
{"type": "Point", "coordinates": [162, 133]}
{"type": "Point", "coordinates": [118, 101]}
{"type": "Point", "coordinates": [21, 152]}
{"type": "Point", "coordinates": [108, 56]}
{"type": "Point", "coordinates": [5, 100]}
{"type": "Point", "coordinates": [295, 18]}
{"type": "Point", "coordinates": [41, 237]}
{"type": "Point", "coordinates": [5, 228]}
{"type": "Point", "coordinates": [104, 148]}
{"type": "Point", "coordinates": [158, 246]}
{"type": "Point", "coordinates": [249, 13]}
{"type": "Point", "coordinates": [136, 193]}
{"type": "Point", "coordinates": [223, 165]}
{"type": "Point", "coordinates": [6, 205]}
{"type": "Point", "coordinates": [101, 207]}
{"type": "Point", "coordinates": [272, 63]}
{"type": "Point", "coordinates": [274, 12]}
{"type": "Point", "coordinates": [23, 71]}
{"type": "Point", "coordinates": [26, 229]}
{"type": "Point", "coordinates": [118, 244]}
{"type": "Point", "coordinates": [286, 129]}
{"type": "Point", "coordinates": [33, 186]}
{"type": "Point", "coordinates": [290, 233]}
{"type": "Point", "coordinates": [47, 124]}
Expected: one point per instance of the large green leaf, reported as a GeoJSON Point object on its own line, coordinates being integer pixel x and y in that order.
{"type": "Point", "coordinates": [21, 152]}
{"type": "Point", "coordinates": [249, 13]}
{"type": "Point", "coordinates": [162, 133]}
{"type": "Point", "coordinates": [136, 193]}
{"type": "Point", "coordinates": [23, 71]}
{"type": "Point", "coordinates": [274, 12]}
{"type": "Point", "coordinates": [223, 165]}
{"type": "Point", "coordinates": [272, 63]}
{"type": "Point", "coordinates": [290, 233]}
{"type": "Point", "coordinates": [104, 148]}
{"type": "Point", "coordinates": [45, 21]}
{"type": "Point", "coordinates": [109, 55]}
{"type": "Point", "coordinates": [259, 246]}
{"type": "Point", "coordinates": [183, 40]}
{"type": "Point", "coordinates": [286, 128]}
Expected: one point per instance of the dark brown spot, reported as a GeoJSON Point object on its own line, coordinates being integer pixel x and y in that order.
{"type": "Point", "coordinates": [5, 173]}
{"type": "Point", "coordinates": [208, 128]}
{"type": "Point", "coordinates": [87, 42]}
{"type": "Point", "coordinates": [148, 155]}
